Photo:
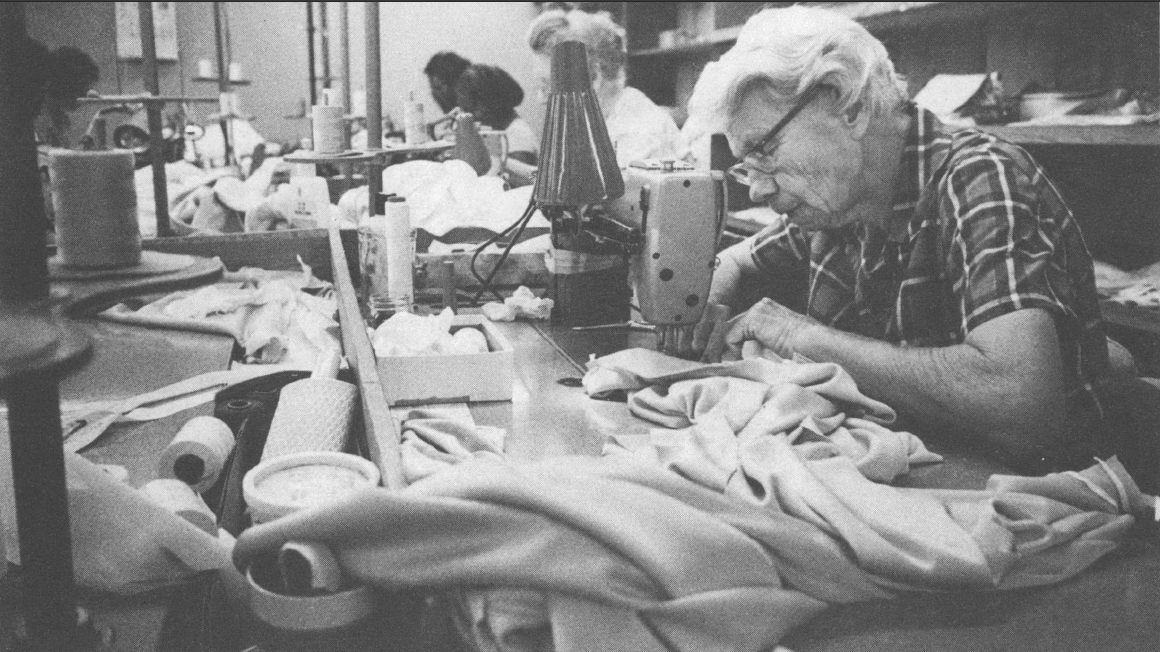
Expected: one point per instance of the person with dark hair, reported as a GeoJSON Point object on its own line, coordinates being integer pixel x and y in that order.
{"type": "Point", "coordinates": [443, 71]}
{"type": "Point", "coordinates": [69, 73]}
{"type": "Point", "coordinates": [491, 95]}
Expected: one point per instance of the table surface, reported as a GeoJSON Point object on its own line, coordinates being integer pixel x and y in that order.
{"type": "Point", "coordinates": [1115, 605]}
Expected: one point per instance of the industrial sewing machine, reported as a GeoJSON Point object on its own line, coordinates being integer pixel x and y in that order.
{"type": "Point", "coordinates": [667, 224]}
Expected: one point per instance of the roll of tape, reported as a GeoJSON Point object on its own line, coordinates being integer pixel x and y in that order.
{"type": "Point", "coordinates": [95, 204]}
{"type": "Point", "coordinates": [179, 498]}
{"type": "Point", "coordinates": [198, 453]}
{"type": "Point", "coordinates": [327, 132]}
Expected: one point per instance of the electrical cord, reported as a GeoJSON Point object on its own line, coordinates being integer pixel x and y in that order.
{"type": "Point", "coordinates": [518, 225]}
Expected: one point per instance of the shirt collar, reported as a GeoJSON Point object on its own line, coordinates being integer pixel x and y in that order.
{"type": "Point", "coordinates": [926, 147]}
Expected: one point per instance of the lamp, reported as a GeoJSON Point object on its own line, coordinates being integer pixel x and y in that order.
{"type": "Point", "coordinates": [577, 164]}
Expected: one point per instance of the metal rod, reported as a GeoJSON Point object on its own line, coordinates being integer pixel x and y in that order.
{"type": "Point", "coordinates": [42, 518]}
{"type": "Point", "coordinates": [374, 102]}
{"type": "Point", "coordinates": [225, 107]}
{"type": "Point", "coordinates": [142, 99]}
{"type": "Point", "coordinates": [153, 115]}
{"type": "Point", "coordinates": [310, 54]}
{"type": "Point", "coordinates": [324, 43]}
{"type": "Point", "coordinates": [344, 32]}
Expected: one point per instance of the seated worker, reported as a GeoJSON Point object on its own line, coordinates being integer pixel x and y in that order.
{"type": "Point", "coordinates": [941, 269]}
{"type": "Point", "coordinates": [68, 74]}
{"type": "Point", "coordinates": [638, 128]}
{"type": "Point", "coordinates": [443, 70]}
{"type": "Point", "coordinates": [491, 95]}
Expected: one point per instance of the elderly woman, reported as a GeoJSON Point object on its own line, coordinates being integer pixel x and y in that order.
{"type": "Point", "coordinates": [944, 271]}
{"type": "Point", "coordinates": [639, 129]}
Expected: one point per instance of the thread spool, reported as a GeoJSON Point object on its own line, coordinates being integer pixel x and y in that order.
{"type": "Point", "coordinates": [414, 128]}
{"type": "Point", "coordinates": [198, 453]}
{"type": "Point", "coordinates": [327, 128]}
{"type": "Point", "coordinates": [204, 68]}
{"type": "Point", "coordinates": [179, 498]}
{"type": "Point", "coordinates": [400, 254]}
{"type": "Point", "coordinates": [95, 204]}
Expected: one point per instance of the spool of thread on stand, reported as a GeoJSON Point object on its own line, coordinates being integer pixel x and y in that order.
{"type": "Point", "coordinates": [327, 120]}
{"type": "Point", "coordinates": [95, 206]}
{"type": "Point", "coordinates": [414, 128]}
{"type": "Point", "coordinates": [400, 254]}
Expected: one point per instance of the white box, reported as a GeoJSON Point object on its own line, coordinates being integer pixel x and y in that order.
{"type": "Point", "coordinates": [418, 379]}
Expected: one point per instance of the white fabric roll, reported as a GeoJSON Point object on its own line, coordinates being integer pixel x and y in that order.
{"type": "Point", "coordinates": [95, 203]}
{"type": "Point", "coordinates": [198, 453]}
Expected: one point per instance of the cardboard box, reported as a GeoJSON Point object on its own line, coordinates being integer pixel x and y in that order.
{"type": "Point", "coordinates": [418, 379]}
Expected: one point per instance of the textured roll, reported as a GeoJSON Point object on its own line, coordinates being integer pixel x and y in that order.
{"type": "Point", "coordinates": [95, 204]}
{"type": "Point", "coordinates": [327, 132]}
{"type": "Point", "coordinates": [198, 453]}
{"type": "Point", "coordinates": [179, 498]}
{"type": "Point", "coordinates": [313, 414]}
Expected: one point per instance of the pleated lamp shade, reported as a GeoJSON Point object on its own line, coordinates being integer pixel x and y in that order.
{"type": "Point", "coordinates": [577, 163]}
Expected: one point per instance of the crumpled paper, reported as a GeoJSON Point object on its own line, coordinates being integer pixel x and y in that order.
{"type": "Point", "coordinates": [522, 303]}
{"type": "Point", "coordinates": [407, 334]}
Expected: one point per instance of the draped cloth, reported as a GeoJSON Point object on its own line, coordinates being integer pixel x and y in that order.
{"type": "Point", "coordinates": [725, 536]}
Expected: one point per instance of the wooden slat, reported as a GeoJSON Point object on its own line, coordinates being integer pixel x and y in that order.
{"type": "Point", "coordinates": [382, 438]}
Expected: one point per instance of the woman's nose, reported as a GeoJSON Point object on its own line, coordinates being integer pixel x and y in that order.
{"type": "Point", "coordinates": [762, 188]}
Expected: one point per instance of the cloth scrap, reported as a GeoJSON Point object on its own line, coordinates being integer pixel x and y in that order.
{"type": "Point", "coordinates": [434, 440]}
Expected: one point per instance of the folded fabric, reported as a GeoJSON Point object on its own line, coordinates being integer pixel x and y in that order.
{"type": "Point", "coordinates": [433, 440]}
{"type": "Point", "coordinates": [617, 553]}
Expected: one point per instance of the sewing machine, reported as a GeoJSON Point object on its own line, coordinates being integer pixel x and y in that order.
{"type": "Point", "coordinates": [667, 223]}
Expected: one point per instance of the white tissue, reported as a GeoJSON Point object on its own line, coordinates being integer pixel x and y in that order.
{"type": "Point", "coordinates": [522, 303]}
{"type": "Point", "coordinates": [407, 334]}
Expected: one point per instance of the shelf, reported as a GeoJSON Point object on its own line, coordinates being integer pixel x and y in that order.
{"type": "Point", "coordinates": [1131, 135]}
{"type": "Point", "coordinates": [215, 80]}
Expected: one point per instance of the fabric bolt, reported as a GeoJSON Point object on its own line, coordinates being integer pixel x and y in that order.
{"type": "Point", "coordinates": [986, 233]}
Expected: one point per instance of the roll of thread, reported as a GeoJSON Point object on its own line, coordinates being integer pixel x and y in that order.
{"type": "Point", "coordinates": [414, 128]}
{"type": "Point", "coordinates": [327, 134]}
{"type": "Point", "coordinates": [204, 68]}
{"type": "Point", "coordinates": [95, 203]}
{"type": "Point", "coordinates": [198, 453]}
{"type": "Point", "coordinates": [400, 254]}
{"type": "Point", "coordinates": [179, 498]}
{"type": "Point", "coordinates": [313, 414]}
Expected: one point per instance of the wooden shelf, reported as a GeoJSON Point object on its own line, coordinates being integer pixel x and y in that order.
{"type": "Point", "coordinates": [1137, 135]}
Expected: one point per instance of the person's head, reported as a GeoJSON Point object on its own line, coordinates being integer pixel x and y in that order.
{"type": "Point", "coordinates": [489, 93]}
{"type": "Point", "coordinates": [603, 40]}
{"type": "Point", "coordinates": [836, 85]}
{"type": "Point", "coordinates": [71, 73]}
{"type": "Point", "coordinates": [443, 71]}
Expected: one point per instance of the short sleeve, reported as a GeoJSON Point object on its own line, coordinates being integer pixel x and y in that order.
{"type": "Point", "coordinates": [1003, 253]}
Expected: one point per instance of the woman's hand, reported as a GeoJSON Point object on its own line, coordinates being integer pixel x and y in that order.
{"type": "Point", "coordinates": [768, 322]}
{"type": "Point", "coordinates": [704, 341]}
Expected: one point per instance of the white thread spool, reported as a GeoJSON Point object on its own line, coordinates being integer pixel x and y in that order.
{"type": "Point", "coordinates": [235, 71]}
{"type": "Point", "coordinates": [95, 204]}
{"type": "Point", "coordinates": [400, 254]}
{"type": "Point", "coordinates": [179, 498]}
{"type": "Point", "coordinates": [198, 453]}
{"type": "Point", "coordinates": [204, 68]}
{"type": "Point", "coordinates": [414, 128]}
{"type": "Point", "coordinates": [327, 128]}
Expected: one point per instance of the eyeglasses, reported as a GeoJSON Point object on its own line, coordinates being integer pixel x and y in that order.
{"type": "Point", "coordinates": [740, 171]}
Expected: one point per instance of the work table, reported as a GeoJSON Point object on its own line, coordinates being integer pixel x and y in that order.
{"type": "Point", "coordinates": [1111, 606]}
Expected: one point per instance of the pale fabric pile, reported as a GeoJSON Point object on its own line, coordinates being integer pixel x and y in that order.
{"type": "Point", "coordinates": [757, 504]}
{"type": "Point", "coordinates": [286, 318]}
{"type": "Point", "coordinates": [1139, 287]}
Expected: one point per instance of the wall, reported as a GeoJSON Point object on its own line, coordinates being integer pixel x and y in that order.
{"type": "Point", "coordinates": [269, 40]}
{"type": "Point", "coordinates": [410, 32]}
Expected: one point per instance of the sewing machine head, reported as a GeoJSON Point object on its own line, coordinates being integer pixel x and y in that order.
{"type": "Point", "coordinates": [668, 223]}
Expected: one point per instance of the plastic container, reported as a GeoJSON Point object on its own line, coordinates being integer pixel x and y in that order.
{"type": "Point", "coordinates": [286, 484]}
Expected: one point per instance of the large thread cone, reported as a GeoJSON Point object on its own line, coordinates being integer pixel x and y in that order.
{"type": "Point", "coordinates": [577, 163]}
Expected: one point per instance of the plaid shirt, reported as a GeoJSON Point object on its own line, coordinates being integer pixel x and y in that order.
{"type": "Point", "coordinates": [987, 234]}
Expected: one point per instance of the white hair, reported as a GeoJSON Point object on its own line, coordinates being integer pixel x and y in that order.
{"type": "Point", "coordinates": [602, 37]}
{"type": "Point", "coordinates": [786, 52]}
